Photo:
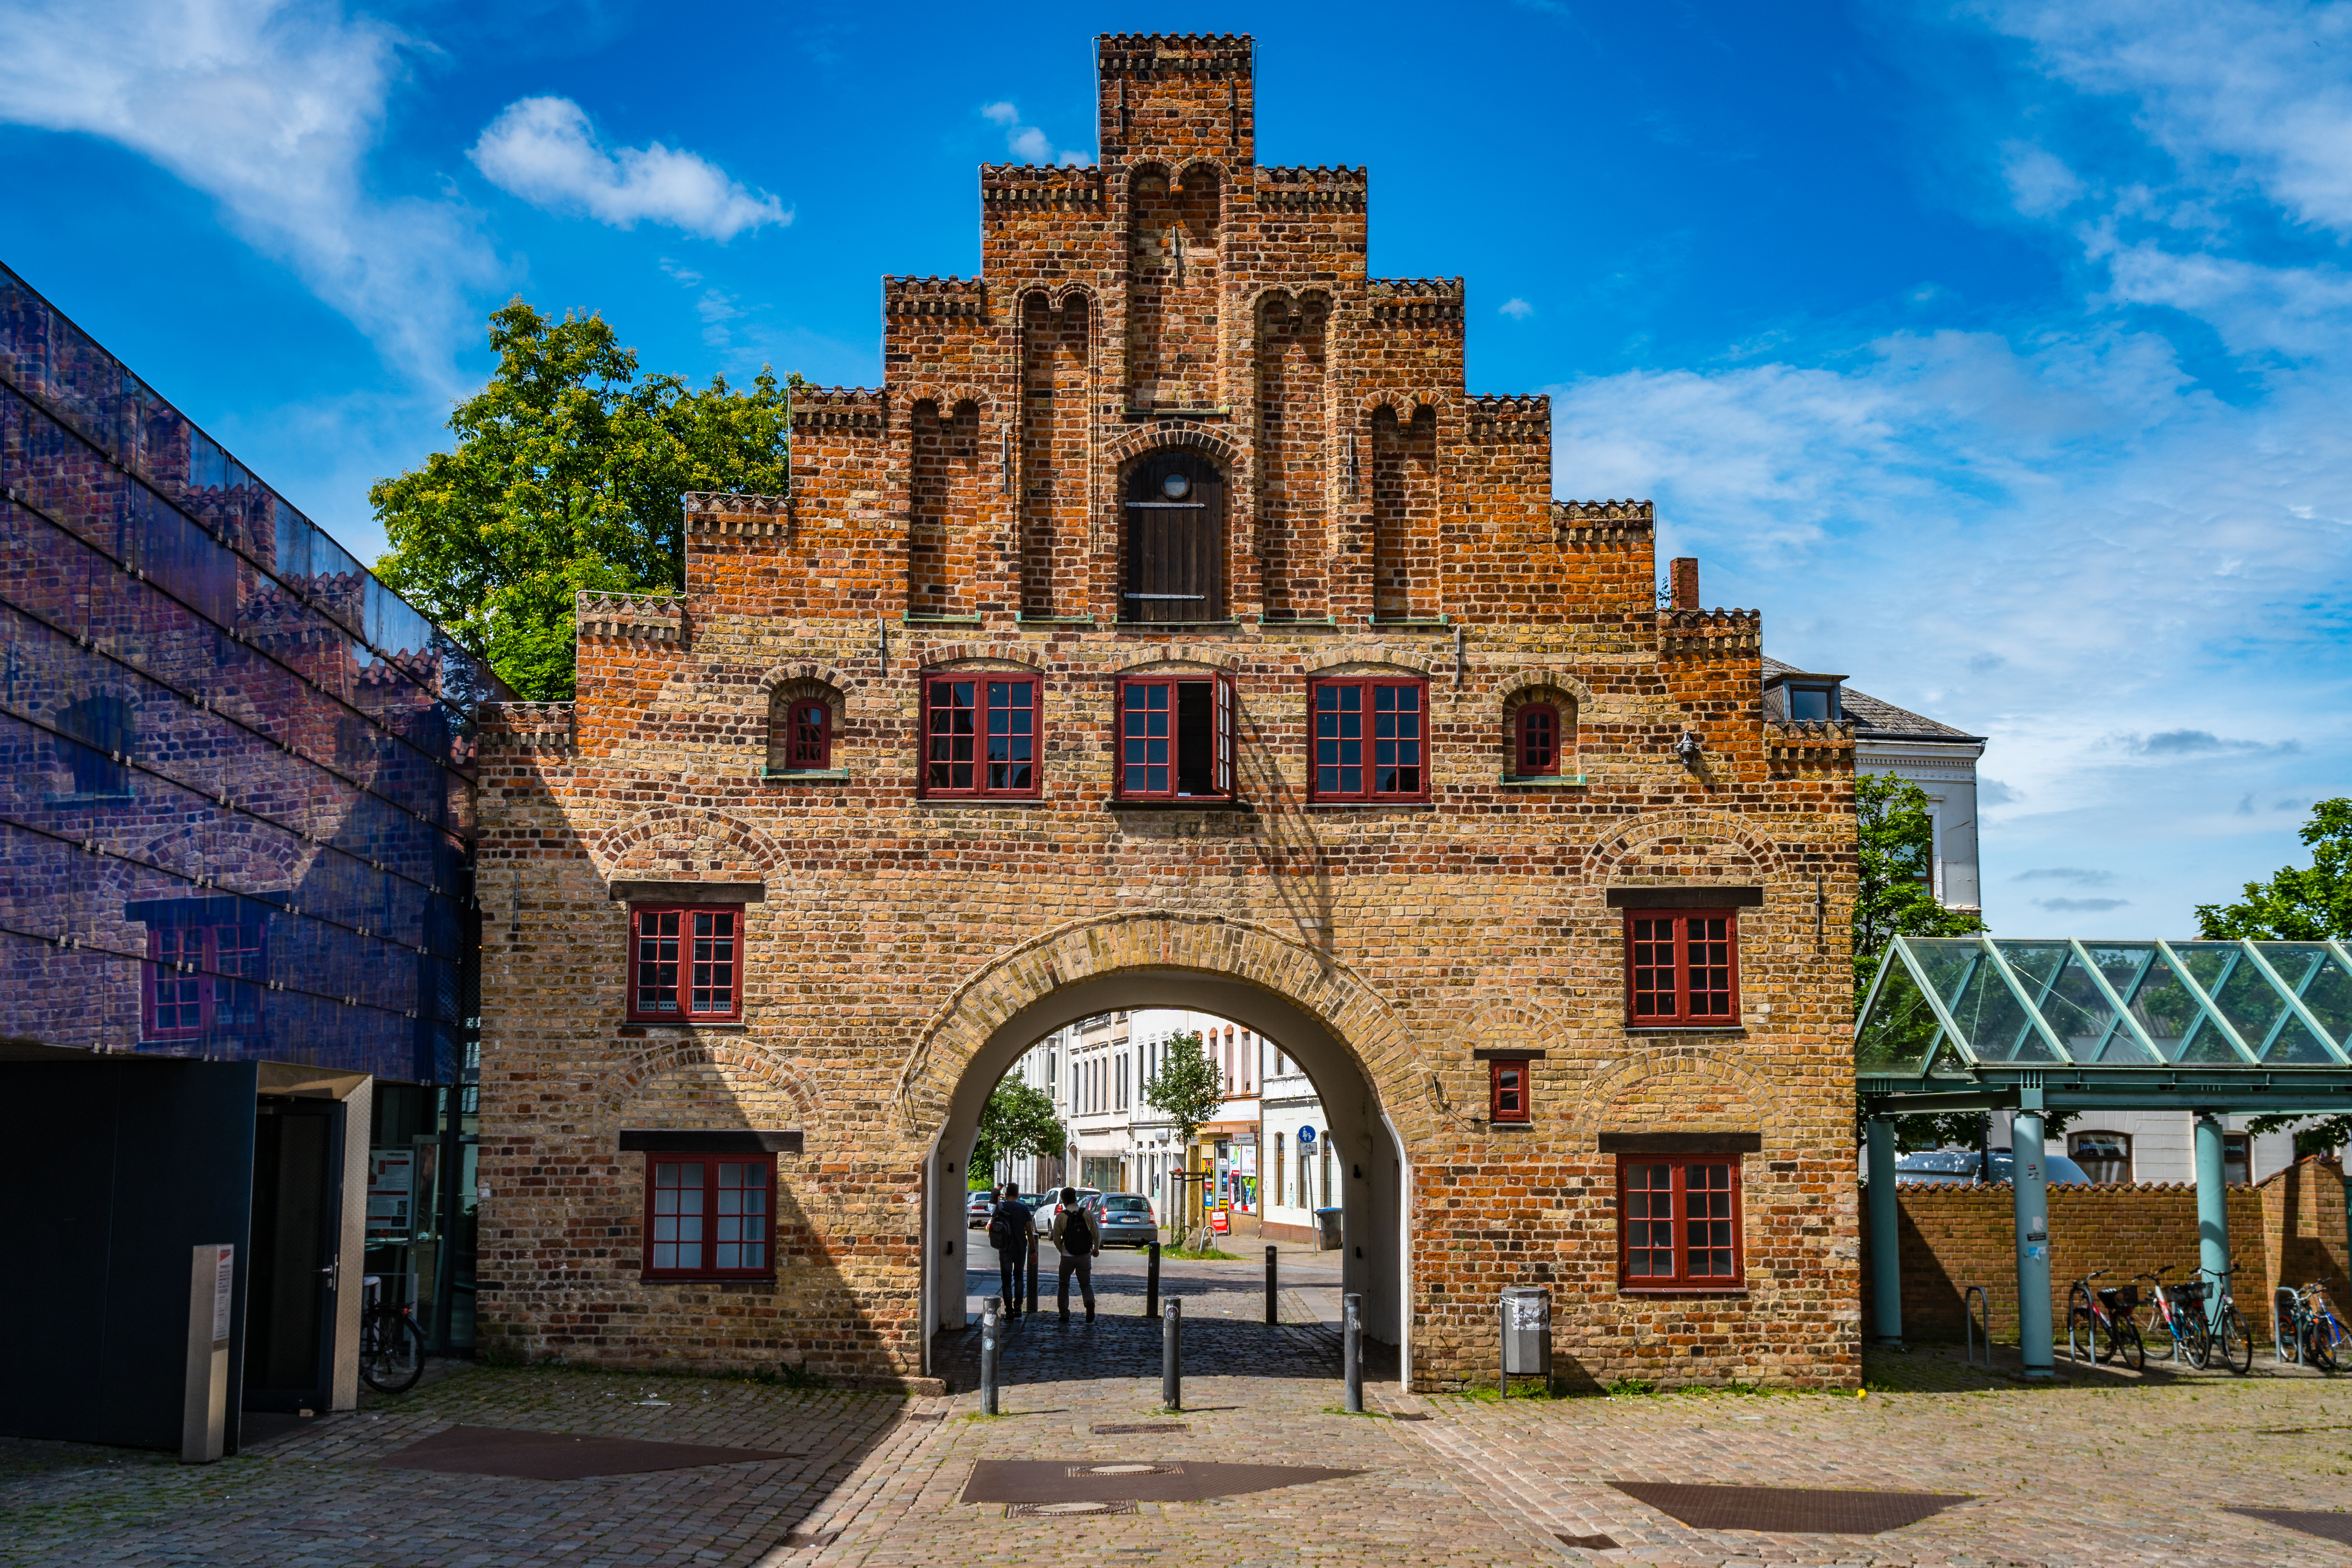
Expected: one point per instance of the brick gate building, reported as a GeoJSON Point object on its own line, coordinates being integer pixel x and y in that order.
{"type": "Point", "coordinates": [1171, 628]}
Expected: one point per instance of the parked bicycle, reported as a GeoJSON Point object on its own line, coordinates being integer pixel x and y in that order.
{"type": "Point", "coordinates": [2202, 1319]}
{"type": "Point", "coordinates": [2164, 1313]}
{"type": "Point", "coordinates": [2109, 1314]}
{"type": "Point", "coordinates": [392, 1347]}
{"type": "Point", "coordinates": [2311, 1326]}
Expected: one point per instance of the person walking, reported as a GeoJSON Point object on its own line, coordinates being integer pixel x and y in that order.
{"type": "Point", "coordinates": [1009, 1226]}
{"type": "Point", "coordinates": [1077, 1237]}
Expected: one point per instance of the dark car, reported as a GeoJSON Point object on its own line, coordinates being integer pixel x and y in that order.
{"type": "Point", "coordinates": [1957, 1167]}
{"type": "Point", "coordinates": [1126, 1219]}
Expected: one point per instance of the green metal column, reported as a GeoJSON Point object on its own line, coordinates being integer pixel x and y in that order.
{"type": "Point", "coordinates": [2212, 1202]}
{"type": "Point", "coordinates": [2030, 1191]}
{"type": "Point", "coordinates": [1885, 1257]}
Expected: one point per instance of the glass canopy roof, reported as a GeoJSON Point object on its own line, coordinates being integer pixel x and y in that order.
{"type": "Point", "coordinates": [1946, 1012]}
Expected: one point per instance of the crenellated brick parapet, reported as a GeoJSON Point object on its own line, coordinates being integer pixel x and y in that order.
{"type": "Point", "coordinates": [1319, 189]}
{"type": "Point", "coordinates": [1809, 743]}
{"type": "Point", "coordinates": [1507, 419]}
{"type": "Point", "coordinates": [638, 617]}
{"type": "Point", "coordinates": [854, 411]}
{"type": "Point", "coordinates": [965, 297]}
{"type": "Point", "coordinates": [514, 727]}
{"type": "Point", "coordinates": [718, 512]}
{"type": "Point", "coordinates": [1417, 302]}
{"type": "Point", "coordinates": [1710, 634]}
{"type": "Point", "coordinates": [1009, 190]}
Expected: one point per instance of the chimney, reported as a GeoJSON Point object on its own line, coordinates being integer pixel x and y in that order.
{"type": "Point", "coordinates": [1685, 582]}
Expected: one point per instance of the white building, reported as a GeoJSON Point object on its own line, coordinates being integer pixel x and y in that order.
{"type": "Point", "coordinates": [2111, 1146]}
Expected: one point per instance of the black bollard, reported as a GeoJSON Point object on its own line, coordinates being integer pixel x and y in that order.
{"type": "Point", "coordinates": [1171, 1355]}
{"type": "Point", "coordinates": [1353, 1306]}
{"type": "Point", "coordinates": [1273, 1313]}
{"type": "Point", "coordinates": [991, 1347]}
{"type": "Point", "coordinates": [1032, 1273]}
{"type": "Point", "coordinates": [1151, 1284]}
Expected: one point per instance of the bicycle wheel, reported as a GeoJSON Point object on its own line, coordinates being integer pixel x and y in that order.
{"type": "Point", "coordinates": [2237, 1345]}
{"type": "Point", "coordinates": [2125, 1339]}
{"type": "Point", "coordinates": [2318, 1345]}
{"type": "Point", "coordinates": [392, 1355]}
{"type": "Point", "coordinates": [2195, 1339]}
{"type": "Point", "coordinates": [2082, 1328]}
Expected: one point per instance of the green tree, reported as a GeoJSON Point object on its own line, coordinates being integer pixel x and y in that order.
{"type": "Point", "coordinates": [567, 475]}
{"type": "Point", "coordinates": [2302, 903]}
{"type": "Point", "coordinates": [1896, 896]}
{"type": "Point", "coordinates": [1187, 1088]}
{"type": "Point", "coordinates": [1018, 1120]}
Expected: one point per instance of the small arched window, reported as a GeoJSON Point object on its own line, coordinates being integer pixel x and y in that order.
{"type": "Point", "coordinates": [1537, 749]}
{"type": "Point", "coordinates": [802, 717]}
{"type": "Point", "coordinates": [811, 743]}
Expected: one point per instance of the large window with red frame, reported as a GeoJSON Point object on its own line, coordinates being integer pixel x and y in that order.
{"type": "Point", "coordinates": [203, 978]}
{"type": "Point", "coordinates": [981, 735]}
{"type": "Point", "coordinates": [1371, 739]}
{"type": "Point", "coordinates": [685, 963]}
{"type": "Point", "coordinates": [808, 736]}
{"type": "Point", "coordinates": [710, 1217]}
{"type": "Point", "coordinates": [1679, 1222]}
{"type": "Point", "coordinates": [1175, 738]}
{"type": "Point", "coordinates": [1536, 736]}
{"type": "Point", "coordinates": [1682, 967]}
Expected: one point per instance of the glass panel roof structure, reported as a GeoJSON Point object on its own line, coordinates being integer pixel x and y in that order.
{"type": "Point", "coordinates": [1972, 1021]}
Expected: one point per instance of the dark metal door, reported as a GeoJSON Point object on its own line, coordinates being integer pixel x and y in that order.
{"type": "Point", "coordinates": [291, 1275]}
{"type": "Point", "coordinates": [1175, 540]}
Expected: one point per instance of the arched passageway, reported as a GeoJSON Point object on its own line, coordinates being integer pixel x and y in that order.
{"type": "Point", "coordinates": [1374, 1174]}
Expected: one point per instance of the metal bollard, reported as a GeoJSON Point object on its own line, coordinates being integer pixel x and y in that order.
{"type": "Point", "coordinates": [991, 1335]}
{"type": "Point", "coordinates": [1171, 1355]}
{"type": "Point", "coordinates": [1151, 1284]}
{"type": "Point", "coordinates": [1353, 1342]}
{"type": "Point", "coordinates": [1032, 1273]}
{"type": "Point", "coordinates": [1273, 1313]}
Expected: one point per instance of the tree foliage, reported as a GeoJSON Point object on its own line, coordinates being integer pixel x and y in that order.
{"type": "Point", "coordinates": [2302, 903]}
{"type": "Point", "coordinates": [1017, 1121]}
{"type": "Point", "coordinates": [1188, 1088]}
{"type": "Point", "coordinates": [567, 474]}
{"type": "Point", "coordinates": [1896, 896]}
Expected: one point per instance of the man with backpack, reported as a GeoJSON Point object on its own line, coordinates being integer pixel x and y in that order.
{"type": "Point", "coordinates": [1009, 1226]}
{"type": "Point", "coordinates": [1077, 1237]}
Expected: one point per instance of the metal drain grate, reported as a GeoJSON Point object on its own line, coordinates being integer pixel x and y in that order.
{"type": "Point", "coordinates": [1410, 1416]}
{"type": "Point", "coordinates": [1116, 1467]}
{"type": "Point", "coordinates": [1791, 1509]}
{"type": "Point", "coordinates": [1591, 1542]}
{"type": "Point", "coordinates": [1063, 1510]}
{"type": "Point", "coordinates": [1129, 1428]}
{"type": "Point", "coordinates": [2328, 1526]}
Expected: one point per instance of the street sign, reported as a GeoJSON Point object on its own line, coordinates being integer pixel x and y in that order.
{"type": "Point", "coordinates": [1306, 1135]}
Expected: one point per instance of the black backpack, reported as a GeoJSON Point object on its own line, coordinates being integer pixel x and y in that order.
{"type": "Point", "coordinates": [1078, 1233]}
{"type": "Point", "coordinates": [1000, 1231]}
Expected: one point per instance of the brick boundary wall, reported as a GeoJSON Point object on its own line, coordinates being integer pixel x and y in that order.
{"type": "Point", "coordinates": [2288, 1228]}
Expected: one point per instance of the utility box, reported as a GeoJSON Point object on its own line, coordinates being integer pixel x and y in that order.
{"type": "Point", "coordinates": [1526, 1332]}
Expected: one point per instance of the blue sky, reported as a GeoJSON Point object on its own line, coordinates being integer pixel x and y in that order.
{"type": "Point", "coordinates": [2001, 352]}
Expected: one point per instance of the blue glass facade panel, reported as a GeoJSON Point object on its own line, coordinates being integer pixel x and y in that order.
{"type": "Point", "coordinates": [235, 809]}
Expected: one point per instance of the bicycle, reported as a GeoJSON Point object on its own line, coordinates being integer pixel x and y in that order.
{"type": "Point", "coordinates": [2204, 1317]}
{"type": "Point", "coordinates": [392, 1347]}
{"type": "Point", "coordinates": [2166, 1313]}
{"type": "Point", "coordinates": [2312, 1326]}
{"type": "Point", "coordinates": [2110, 1310]}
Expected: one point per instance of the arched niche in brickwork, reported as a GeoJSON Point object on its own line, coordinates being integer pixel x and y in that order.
{"type": "Point", "coordinates": [951, 470]}
{"type": "Point", "coordinates": [1511, 689]}
{"type": "Point", "coordinates": [1380, 1098]}
{"type": "Point", "coordinates": [1143, 441]}
{"type": "Point", "coordinates": [685, 843]}
{"type": "Point", "coordinates": [1404, 402]}
{"type": "Point", "coordinates": [803, 671]}
{"type": "Point", "coordinates": [705, 1084]}
{"type": "Point", "coordinates": [1285, 351]}
{"type": "Point", "coordinates": [1562, 699]}
{"type": "Point", "coordinates": [802, 719]}
{"type": "Point", "coordinates": [1175, 225]}
{"type": "Point", "coordinates": [1680, 844]}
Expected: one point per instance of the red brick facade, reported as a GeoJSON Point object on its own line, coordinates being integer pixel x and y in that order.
{"type": "Point", "coordinates": [972, 515]}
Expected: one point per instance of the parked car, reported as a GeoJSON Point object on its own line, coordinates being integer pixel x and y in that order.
{"type": "Point", "coordinates": [1126, 1219]}
{"type": "Point", "coordinates": [976, 1211]}
{"type": "Point", "coordinates": [1957, 1167]}
{"type": "Point", "coordinates": [1049, 1203]}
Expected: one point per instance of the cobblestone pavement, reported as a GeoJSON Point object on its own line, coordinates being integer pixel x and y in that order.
{"type": "Point", "coordinates": [2098, 1469]}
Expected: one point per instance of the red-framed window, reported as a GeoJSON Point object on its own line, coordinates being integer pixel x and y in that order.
{"type": "Point", "coordinates": [1678, 1222]}
{"type": "Point", "coordinates": [1176, 737]}
{"type": "Point", "coordinates": [685, 963]}
{"type": "Point", "coordinates": [1682, 966]}
{"type": "Point", "coordinates": [1537, 741]}
{"type": "Point", "coordinates": [203, 978]}
{"type": "Point", "coordinates": [1371, 739]}
{"type": "Point", "coordinates": [808, 735]}
{"type": "Point", "coordinates": [1508, 1099]}
{"type": "Point", "coordinates": [981, 735]}
{"type": "Point", "coordinates": [710, 1216]}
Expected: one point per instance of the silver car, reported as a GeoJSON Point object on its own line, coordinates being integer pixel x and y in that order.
{"type": "Point", "coordinates": [1126, 1219]}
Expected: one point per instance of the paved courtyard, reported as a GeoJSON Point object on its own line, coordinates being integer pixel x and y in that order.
{"type": "Point", "coordinates": [2101, 1469]}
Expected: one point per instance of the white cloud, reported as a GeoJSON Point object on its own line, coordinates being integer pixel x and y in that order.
{"type": "Point", "coordinates": [1518, 309]}
{"type": "Point", "coordinates": [1026, 143]}
{"type": "Point", "coordinates": [270, 107]}
{"type": "Point", "coordinates": [544, 150]}
{"type": "Point", "coordinates": [2038, 181]}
